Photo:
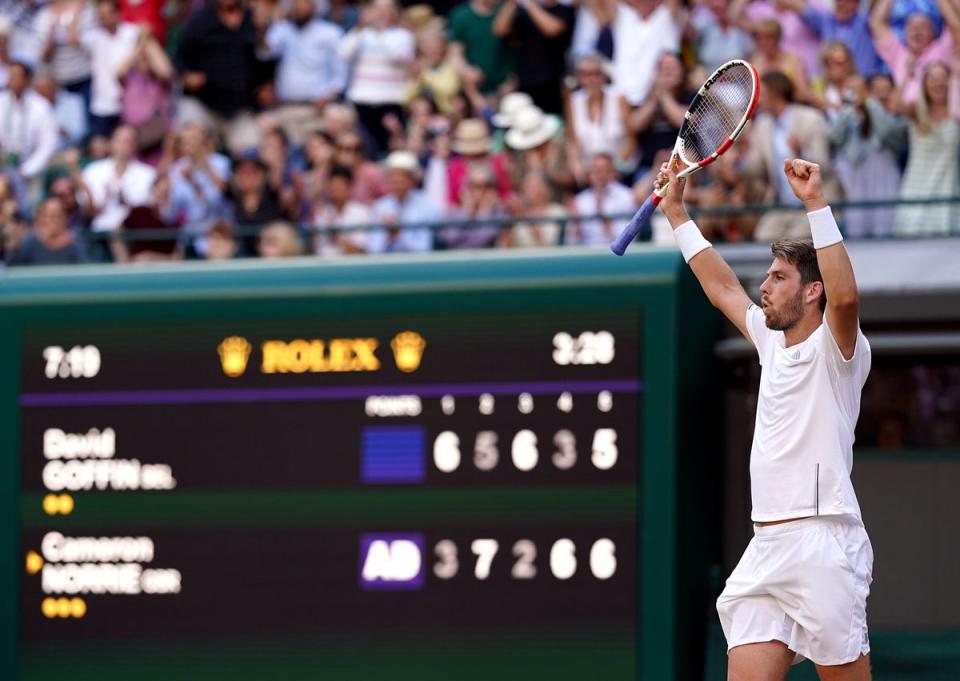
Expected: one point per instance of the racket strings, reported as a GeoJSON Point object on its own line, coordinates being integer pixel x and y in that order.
{"type": "Point", "coordinates": [717, 112]}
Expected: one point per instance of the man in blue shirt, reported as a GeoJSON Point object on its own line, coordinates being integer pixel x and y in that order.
{"type": "Point", "coordinates": [198, 181]}
{"type": "Point", "coordinates": [407, 212]}
{"type": "Point", "coordinates": [310, 73]}
{"type": "Point", "coordinates": [848, 24]}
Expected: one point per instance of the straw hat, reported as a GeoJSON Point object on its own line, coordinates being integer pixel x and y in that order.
{"type": "Point", "coordinates": [403, 160]}
{"type": "Point", "coordinates": [509, 106]}
{"type": "Point", "coordinates": [531, 128]}
{"type": "Point", "coordinates": [471, 137]}
{"type": "Point", "coordinates": [421, 17]}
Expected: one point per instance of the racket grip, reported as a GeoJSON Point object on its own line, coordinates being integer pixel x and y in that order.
{"type": "Point", "coordinates": [629, 233]}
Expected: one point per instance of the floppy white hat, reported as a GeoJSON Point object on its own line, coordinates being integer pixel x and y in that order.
{"type": "Point", "coordinates": [403, 160]}
{"type": "Point", "coordinates": [509, 106]}
{"type": "Point", "coordinates": [531, 128]}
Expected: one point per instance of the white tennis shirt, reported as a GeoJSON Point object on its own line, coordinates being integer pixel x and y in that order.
{"type": "Point", "coordinates": [807, 410]}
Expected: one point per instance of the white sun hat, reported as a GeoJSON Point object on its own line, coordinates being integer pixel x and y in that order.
{"type": "Point", "coordinates": [403, 160]}
{"type": "Point", "coordinates": [531, 128]}
{"type": "Point", "coordinates": [509, 106]}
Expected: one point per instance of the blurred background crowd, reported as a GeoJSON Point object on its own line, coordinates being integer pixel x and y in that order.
{"type": "Point", "coordinates": [140, 130]}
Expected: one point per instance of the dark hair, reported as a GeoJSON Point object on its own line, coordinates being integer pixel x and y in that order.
{"type": "Point", "coordinates": [342, 172]}
{"type": "Point", "coordinates": [801, 254]}
{"type": "Point", "coordinates": [879, 75]}
{"type": "Point", "coordinates": [779, 83]}
{"type": "Point", "coordinates": [114, 4]}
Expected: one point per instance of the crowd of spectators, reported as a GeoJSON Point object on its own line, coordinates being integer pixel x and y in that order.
{"type": "Point", "coordinates": [283, 127]}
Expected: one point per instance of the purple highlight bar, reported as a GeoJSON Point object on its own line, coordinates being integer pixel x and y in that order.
{"type": "Point", "coordinates": [313, 394]}
{"type": "Point", "coordinates": [392, 561]}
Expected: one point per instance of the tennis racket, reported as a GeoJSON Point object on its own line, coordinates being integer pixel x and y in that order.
{"type": "Point", "coordinates": [714, 120]}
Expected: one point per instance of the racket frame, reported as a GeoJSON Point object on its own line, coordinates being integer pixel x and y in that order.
{"type": "Point", "coordinates": [691, 168]}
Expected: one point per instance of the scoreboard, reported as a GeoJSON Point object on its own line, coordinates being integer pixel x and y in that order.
{"type": "Point", "coordinates": [427, 469]}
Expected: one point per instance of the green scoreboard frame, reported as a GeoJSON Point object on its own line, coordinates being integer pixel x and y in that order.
{"type": "Point", "coordinates": [670, 500]}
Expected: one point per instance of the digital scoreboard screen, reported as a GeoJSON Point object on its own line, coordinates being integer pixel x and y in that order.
{"type": "Point", "coordinates": [326, 477]}
{"type": "Point", "coordinates": [401, 469]}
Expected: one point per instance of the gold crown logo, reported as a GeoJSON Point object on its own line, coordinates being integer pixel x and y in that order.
{"type": "Point", "coordinates": [234, 353]}
{"type": "Point", "coordinates": [408, 350]}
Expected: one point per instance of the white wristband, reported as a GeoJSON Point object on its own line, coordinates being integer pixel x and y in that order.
{"type": "Point", "coordinates": [690, 240]}
{"type": "Point", "coordinates": [823, 228]}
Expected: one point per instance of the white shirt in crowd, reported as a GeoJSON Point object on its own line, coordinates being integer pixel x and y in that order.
{"type": "Point", "coordinates": [113, 196]}
{"type": "Point", "coordinates": [616, 199]}
{"type": "Point", "coordinates": [381, 64]}
{"type": "Point", "coordinates": [353, 213]}
{"type": "Point", "coordinates": [107, 52]}
{"type": "Point", "coordinates": [28, 129]}
{"type": "Point", "coordinates": [808, 406]}
{"type": "Point", "coordinates": [603, 136]}
{"type": "Point", "coordinates": [436, 180]}
{"type": "Point", "coordinates": [640, 42]}
{"type": "Point", "coordinates": [70, 62]}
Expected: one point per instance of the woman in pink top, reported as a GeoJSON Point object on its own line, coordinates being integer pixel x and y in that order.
{"type": "Point", "coordinates": [908, 61]}
{"type": "Point", "coordinates": [146, 76]}
{"type": "Point", "coordinates": [771, 56]}
{"type": "Point", "coordinates": [471, 144]}
{"type": "Point", "coordinates": [802, 41]}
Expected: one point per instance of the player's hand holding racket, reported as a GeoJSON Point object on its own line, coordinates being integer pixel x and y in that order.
{"type": "Point", "coordinates": [671, 193]}
{"type": "Point", "coordinates": [714, 120]}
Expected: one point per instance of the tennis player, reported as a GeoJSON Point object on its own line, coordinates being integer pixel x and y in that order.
{"type": "Point", "coordinates": [800, 589]}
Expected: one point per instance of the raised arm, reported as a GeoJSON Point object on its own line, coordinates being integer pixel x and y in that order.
{"type": "Point", "coordinates": [737, 15]}
{"type": "Point", "coordinates": [880, 20]}
{"type": "Point", "coordinates": [503, 22]}
{"type": "Point", "coordinates": [548, 24]}
{"type": "Point", "coordinates": [719, 282]}
{"type": "Point", "coordinates": [951, 17]}
{"type": "Point", "coordinates": [843, 300]}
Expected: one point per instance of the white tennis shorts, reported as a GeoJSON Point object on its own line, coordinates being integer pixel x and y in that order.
{"type": "Point", "coordinates": [804, 583]}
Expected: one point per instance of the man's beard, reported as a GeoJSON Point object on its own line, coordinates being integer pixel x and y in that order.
{"type": "Point", "coordinates": [785, 319]}
{"type": "Point", "coordinates": [302, 21]}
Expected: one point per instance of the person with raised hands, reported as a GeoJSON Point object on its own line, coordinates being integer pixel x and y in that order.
{"type": "Point", "coordinates": [909, 58]}
{"type": "Point", "coordinates": [800, 588]}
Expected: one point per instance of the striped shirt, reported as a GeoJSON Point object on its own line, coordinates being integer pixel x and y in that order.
{"type": "Point", "coordinates": [381, 64]}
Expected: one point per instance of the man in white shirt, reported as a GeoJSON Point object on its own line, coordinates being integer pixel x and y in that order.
{"type": "Point", "coordinates": [642, 31]}
{"type": "Point", "coordinates": [310, 72]}
{"type": "Point", "coordinates": [341, 211]}
{"type": "Point", "coordinates": [117, 183]}
{"type": "Point", "coordinates": [28, 127]}
{"type": "Point", "coordinates": [109, 45]}
{"type": "Point", "coordinates": [801, 587]}
{"type": "Point", "coordinates": [68, 109]}
{"type": "Point", "coordinates": [606, 197]}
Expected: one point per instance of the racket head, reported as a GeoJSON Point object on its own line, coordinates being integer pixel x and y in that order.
{"type": "Point", "coordinates": [718, 114]}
